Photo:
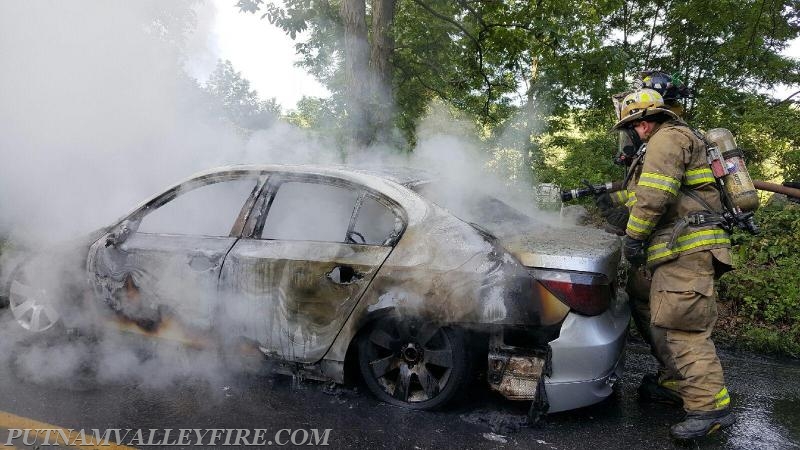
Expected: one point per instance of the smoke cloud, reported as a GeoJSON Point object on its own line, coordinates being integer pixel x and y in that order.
{"type": "Point", "coordinates": [98, 113]}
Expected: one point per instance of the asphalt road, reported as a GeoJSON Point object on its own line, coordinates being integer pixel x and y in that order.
{"type": "Point", "coordinates": [765, 391]}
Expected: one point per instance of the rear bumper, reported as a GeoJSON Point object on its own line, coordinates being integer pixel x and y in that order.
{"type": "Point", "coordinates": [587, 358]}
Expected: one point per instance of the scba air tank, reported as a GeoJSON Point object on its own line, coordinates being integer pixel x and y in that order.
{"type": "Point", "coordinates": [731, 170]}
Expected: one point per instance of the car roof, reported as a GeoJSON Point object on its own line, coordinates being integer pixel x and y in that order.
{"type": "Point", "coordinates": [406, 176]}
{"type": "Point", "coordinates": [385, 180]}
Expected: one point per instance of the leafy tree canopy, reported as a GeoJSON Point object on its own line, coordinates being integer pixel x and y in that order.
{"type": "Point", "coordinates": [560, 61]}
{"type": "Point", "coordinates": [231, 95]}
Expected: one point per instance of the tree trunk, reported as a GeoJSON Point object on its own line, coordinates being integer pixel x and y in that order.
{"type": "Point", "coordinates": [380, 63]}
{"type": "Point", "coordinates": [356, 71]}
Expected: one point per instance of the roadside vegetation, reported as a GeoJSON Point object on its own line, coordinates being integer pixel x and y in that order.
{"type": "Point", "coordinates": [761, 298]}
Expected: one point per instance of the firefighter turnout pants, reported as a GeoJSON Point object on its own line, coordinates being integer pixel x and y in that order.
{"type": "Point", "coordinates": [683, 313]}
{"type": "Point", "coordinates": [638, 289]}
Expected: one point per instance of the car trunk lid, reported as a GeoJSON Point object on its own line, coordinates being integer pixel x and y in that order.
{"type": "Point", "coordinates": [574, 248]}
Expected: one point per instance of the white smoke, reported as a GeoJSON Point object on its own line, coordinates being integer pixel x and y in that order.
{"type": "Point", "coordinates": [98, 113]}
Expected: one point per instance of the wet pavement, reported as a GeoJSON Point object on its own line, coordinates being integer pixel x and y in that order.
{"type": "Point", "coordinates": [765, 395]}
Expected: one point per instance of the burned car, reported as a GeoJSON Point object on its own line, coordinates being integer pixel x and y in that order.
{"type": "Point", "coordinates": [315, 268]}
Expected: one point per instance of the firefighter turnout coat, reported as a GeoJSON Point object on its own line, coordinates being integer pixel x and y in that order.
{"type": "Point", "coordinates": [675, 162]}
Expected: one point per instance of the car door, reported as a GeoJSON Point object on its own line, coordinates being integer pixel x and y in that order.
{"type": "Point", "coordinates": [313, 250]}
{"type": "Point", "coordinates": [159, 269]}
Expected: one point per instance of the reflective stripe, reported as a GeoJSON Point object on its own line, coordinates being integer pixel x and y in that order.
{"type": "Point", "coordinates": [699, 176]}
{"type": "Point", "coordinates": [658, 181]}
{"type": "Point", "coordinates": [722, 398]}
{"type": "Point", "coordinates": [670, 384]}
{"type": "Point", "coordinates": [688, 242]}
{"type": "Point", "coordinates": [631, 200]}
{"type": "Point", "coordinates": [620, 197]}
{"type": "Point", "coordinates": [639, 225]}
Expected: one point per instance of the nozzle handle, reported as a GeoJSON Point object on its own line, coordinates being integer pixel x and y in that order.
{"type": "Point", "coordinates": [574, 194]}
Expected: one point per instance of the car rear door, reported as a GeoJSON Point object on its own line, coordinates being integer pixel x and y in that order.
{"type": "Point", "coordinates": [162, 275]}
{"type": "Point", "coordinates": [313, 249]}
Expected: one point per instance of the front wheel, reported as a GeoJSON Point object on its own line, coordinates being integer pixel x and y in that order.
{"type": "Point", "coordinates": [32, 306]}
{"type": "Point", "coordinates": [418, 365]}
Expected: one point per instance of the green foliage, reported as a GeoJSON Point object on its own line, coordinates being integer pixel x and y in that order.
{"type": "Point", "coordinates": [790, 165]}
{"type": "Point", "coordinates": [493, 60]}
{"type": "Point", "coordinates": [767, 131]}
{"type": "Point", "coordinates": [579, 150]}
{"type": "Point", "coordinates": [231, 95]}
{"type": "Point", "coordinates": [782, 341]}
{"type": "Point", "coordinates": [321, 117]}
{"type": "Point", "coordinates": [765, 287]}
{"type": "Point", "coordinates": [484, 58]}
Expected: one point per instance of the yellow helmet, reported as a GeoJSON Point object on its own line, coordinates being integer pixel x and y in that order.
{"type": "Point", "coordinates": [640, 104]}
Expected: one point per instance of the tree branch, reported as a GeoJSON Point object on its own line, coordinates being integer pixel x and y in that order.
{"type": "Point", "coordinates": [755, 28]}
{"type": "Point", "coordinates": [441, 16]}
{"type": "Point", "coordinates": [413, 74]}
{"type": "Point", "coordinates": [787, 99]}
{"type": "Point", "coordinates": [478, 48]}
{"type": "Point", "coordinates": [652, 36]}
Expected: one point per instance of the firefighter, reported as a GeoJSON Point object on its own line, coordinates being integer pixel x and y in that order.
{"type": "Point", "coordinates": [673, 230]}
{"type": "Point", "coordinates": [662, 385]}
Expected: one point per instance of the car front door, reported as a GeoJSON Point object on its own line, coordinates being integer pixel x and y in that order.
{"type": "Point", "coordinates": [313, 250]}
{"type": "Point", "coordinates": [159, 269]}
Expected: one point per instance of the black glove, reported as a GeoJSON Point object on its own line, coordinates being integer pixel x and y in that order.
{"type": "Point", "coordinates": [616, 220]}
{"type": "Point", "coordinates": [633, 250]}
{"type": "Point", "coordinates": [601, 198]}
{"type": "Point", "coordinates": [603, 203]}
{"type": "Point", "coordinates": [795, 185]}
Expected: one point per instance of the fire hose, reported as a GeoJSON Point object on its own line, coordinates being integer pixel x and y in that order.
{"type": "Point", "coordinates": [612, 186]}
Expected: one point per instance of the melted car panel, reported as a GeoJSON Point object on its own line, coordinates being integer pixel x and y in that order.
{"type": "Point", "coordinates": [298, 277]}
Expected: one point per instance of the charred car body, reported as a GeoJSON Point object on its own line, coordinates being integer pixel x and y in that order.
{"type": "Point", "coordinates": [315, 267]}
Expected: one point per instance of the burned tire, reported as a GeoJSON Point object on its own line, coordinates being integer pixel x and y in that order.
{"type": "Point", "coordinates": [413, 364]}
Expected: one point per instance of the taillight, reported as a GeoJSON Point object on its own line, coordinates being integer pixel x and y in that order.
{"type": "Point", "coordinates": [586, 293]}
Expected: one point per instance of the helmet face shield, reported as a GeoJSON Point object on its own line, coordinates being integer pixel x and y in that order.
{"type": "Point", "coordinates": [628, 144]}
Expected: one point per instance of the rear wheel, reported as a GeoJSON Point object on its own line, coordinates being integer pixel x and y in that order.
{"type": "Point", "coordinates": [418, 365]}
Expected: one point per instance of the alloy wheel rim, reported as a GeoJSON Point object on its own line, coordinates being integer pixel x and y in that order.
{"type": "Point", "coordinates": [411, 362]}
{"type": "Point", "coordinates": [31, 308]}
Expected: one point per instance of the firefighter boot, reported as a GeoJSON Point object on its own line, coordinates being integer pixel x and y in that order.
{"type": "Point", "coordinates": [650, 390]}
{"type": "Point", "coordinates": [702, 423]}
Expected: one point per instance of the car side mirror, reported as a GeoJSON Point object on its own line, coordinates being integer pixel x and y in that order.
{"type": "Point", "coordinates": [119, 234]}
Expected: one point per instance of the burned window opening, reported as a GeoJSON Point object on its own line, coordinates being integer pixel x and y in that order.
{"type": "Point", "coordinates": [322, 211]}
{"type": "Point", "coordinates": [254, 227]}
{"type": "Point", "coordinates": [246, 196]}
{"type": "Point", "coordinates": [311, 212]}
